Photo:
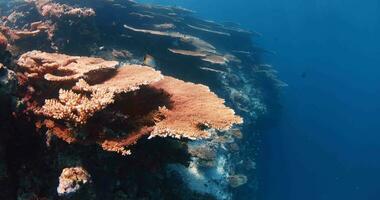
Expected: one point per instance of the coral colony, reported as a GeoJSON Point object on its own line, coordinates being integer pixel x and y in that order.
{"type": "Point", "coordinates": [112, 99]}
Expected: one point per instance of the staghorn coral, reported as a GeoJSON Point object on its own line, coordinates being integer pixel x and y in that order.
{"type": "Point", "coordinates": [59, 67]}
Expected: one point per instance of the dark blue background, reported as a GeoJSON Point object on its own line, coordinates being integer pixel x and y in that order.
{"type": "Point", "coordinates": [327, 145]}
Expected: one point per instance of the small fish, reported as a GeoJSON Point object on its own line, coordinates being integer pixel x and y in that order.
{"type": "Point", "coordinates": [303, 75]}
{"type": "Point", "coordinates": [149, 61]}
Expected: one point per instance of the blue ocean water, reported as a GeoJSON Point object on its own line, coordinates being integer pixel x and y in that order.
{"type": "Point", "coordinates": [327, 143]}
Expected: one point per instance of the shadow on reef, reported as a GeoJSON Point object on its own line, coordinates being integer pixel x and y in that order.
{"type": "Point", "coordinates": [90, 108]}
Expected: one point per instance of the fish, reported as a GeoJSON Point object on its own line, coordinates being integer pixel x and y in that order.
{"type": "Point", "coordinates": [150, 61]}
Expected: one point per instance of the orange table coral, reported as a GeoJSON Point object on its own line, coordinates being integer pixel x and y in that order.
{"type": "Point", "coordinates": [140, 100]}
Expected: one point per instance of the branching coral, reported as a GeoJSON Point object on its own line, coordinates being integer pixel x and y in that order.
{"type": "Point", "coordinates": [77, 107]}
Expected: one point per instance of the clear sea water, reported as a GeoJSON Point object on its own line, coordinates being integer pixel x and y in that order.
{"type": "Point", "coordinates": [327, 143]}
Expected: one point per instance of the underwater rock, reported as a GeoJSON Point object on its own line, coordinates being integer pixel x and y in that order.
{"type": "Point", "coordinates": [8, 81]}
{"type": "Point", "coordinates": [237, 180]}
{"type": "Point", "coordinates": [71, 180]}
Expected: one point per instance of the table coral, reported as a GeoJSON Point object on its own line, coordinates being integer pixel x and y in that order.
{"type": "Point", "coordinates": [189, 109]}
{"type": "Point", "coordinates": [59, 67]}
{"type": "Point", "coordinates": [194, 108]}
{"type": "Point", "coordinates": [127, 78]}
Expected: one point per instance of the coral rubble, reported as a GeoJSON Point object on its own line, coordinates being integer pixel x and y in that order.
{"type": "Point", "coordinates": [71, 180]}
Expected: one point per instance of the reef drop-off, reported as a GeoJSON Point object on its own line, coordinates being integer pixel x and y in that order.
{"type": "Point", "coordinates": [120, 100]}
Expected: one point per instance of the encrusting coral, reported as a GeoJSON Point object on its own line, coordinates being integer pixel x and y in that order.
{"type": "Point", "coordinates": [160, 106]}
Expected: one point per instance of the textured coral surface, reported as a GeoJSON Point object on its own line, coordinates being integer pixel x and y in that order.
{"type": "Point", "coordinates": [188, 111]}
{"type": "Point", "coordinates": [193, 108]}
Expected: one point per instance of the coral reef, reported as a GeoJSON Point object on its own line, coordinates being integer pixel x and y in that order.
{"type": "Point", "coordinates": [150, 100]}
{"type": "Point", "coordinates": [189, 109]}
{"type": "Point", "coordinates": [48, 8]}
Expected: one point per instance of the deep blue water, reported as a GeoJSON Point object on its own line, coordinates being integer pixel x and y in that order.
{"type": "Point", "coordinates": [327, 143]}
